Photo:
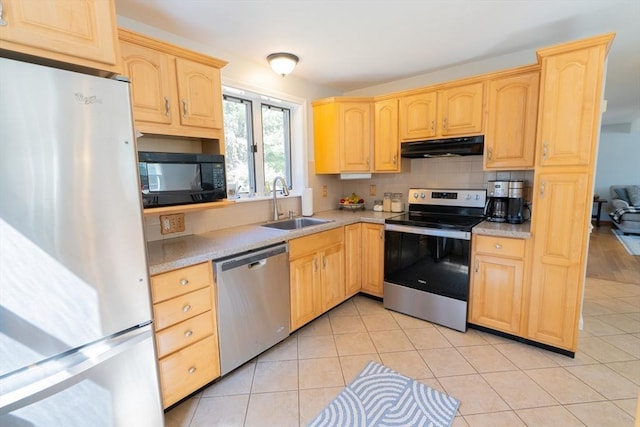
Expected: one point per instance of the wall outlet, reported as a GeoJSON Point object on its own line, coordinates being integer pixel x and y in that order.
{"type": "Point", "coordinates": [171, 223]}
{"type": "Point", "coordinates": [372, 190]}
{"type": "Point", "coordinates": [324, 190]}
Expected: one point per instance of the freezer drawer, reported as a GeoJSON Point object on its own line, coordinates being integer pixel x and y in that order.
{"type": "Point", "coordinates": [111, 383]}
{"type": "Point", "coordinates": [188, 370]}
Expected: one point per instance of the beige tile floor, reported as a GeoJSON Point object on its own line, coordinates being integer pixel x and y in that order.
{"type": "Point", "coordinates": [499, 382]}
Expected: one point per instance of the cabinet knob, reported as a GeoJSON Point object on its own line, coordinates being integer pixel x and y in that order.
{"type": "Point", "coordinates": [186, 308]}
{"type": "Point", "coordinates": [545, 150]}
{"type": "Point", "coordinates": [433, 125]}
{"type": "Point", "coordinates": [192, 370]}
{"type": "Point", "coordinates": [188, 333]}
{"type": "Point", "coordinates": [476, 266]}
{"type": "Point", "coordinates": [444, 123]}
{"type": "Point", "coordinates": [315, 264]}
{"type": "Point", "coordinates": [395, 159]}
{"type": "Point", "coordinates": [542, 184]}
{"type": "Point", "coordinates": [324, 262]}
{"type": "Point", "coordinates": [184, 282]}
{"type": "Point", "coordinates": [498, 246]}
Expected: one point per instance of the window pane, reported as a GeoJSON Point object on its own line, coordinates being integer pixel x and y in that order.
{"type": "Point", "coordinates": [275, 139]}
{"type": "Point", "coordinates": [239, 143]}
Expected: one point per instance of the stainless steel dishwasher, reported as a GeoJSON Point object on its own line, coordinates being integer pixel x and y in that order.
{"type": "Point", "coordinates": [253, 303]}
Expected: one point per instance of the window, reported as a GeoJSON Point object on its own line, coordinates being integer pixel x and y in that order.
{"type": "Point", "coordinates": [257, 141]}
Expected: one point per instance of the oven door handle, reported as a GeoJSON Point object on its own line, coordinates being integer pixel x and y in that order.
{"type": "Point", "coordinates": [426, 231]}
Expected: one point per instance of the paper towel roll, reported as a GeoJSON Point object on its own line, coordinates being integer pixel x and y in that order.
{"type": "Point", "coordinates": [307, 202]}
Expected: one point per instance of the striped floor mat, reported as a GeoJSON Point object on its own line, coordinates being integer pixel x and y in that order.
{"type": "Point", "coordinates": [379, 396]}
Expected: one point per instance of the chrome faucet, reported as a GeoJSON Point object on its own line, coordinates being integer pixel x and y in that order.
{"type": "Point", "coordinates": [285, 191]}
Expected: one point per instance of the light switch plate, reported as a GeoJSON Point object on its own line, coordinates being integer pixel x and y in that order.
{"type": "Point", "coordinates": [172, 223]}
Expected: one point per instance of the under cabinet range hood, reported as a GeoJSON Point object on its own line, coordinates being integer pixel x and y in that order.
{"type": "Point", "coordinates": [448, 147]}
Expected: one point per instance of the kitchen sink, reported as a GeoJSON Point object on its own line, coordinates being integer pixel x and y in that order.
{"type": "Point", "coordinates": [296, 223]}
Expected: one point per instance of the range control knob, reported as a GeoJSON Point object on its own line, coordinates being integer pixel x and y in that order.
{"type": "Point", "coordinates": [422, 195]}
{"type": "Point", "coordinates": [415, 195]}
{"type": "Point", "coordinates": [468, 197]}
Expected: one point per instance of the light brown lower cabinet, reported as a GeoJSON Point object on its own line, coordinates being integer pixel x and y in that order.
{"type": "Point", "coordinates": [185, 330]}
{"type": "Point", "coordinates": [372, 258]}
{"type": "Point", "coordinates": [497, 282]}
{"type": "Point", "coordinates": [316, 275]}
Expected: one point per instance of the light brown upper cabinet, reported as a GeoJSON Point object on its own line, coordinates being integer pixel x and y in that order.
{"type": "Point", "coordinates": [450, 111]}
{"type": "Point", "coordinates": [342, 132]}
{"type": "Point", "coordinates": [173, 91]}
{"type": "Point", "coordinates": [82, 33]}
{"type": "Point", "coordinates": [386, 145]}
{"type": "Point", "coordinates": [570, 95]}
{"type": "Point", "coordinates": [512, 111]}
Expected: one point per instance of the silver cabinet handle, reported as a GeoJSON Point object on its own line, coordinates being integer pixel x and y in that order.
{"type": "Point", "coordinates": [433, 124]}
{"type": "Point", "coordinates": [476, 266]}
{"type": "Point", "coordinates": [184, 108]}
{"type": "Point", "coordinates": [395, 159]}
{"type": "Point", "coordinates": [545, 150]}
{"type": "Point", "coordinates": [3, 23]}
{"type": "Point", "coordinates": [490, 153]}
{"type": "Point", "coordinates": [192, 370]}
{"type": "Point", "coordinates": [498, 246]}
{"type": "Point", "coordinates": [542, 184]}
{"type": "Point", "coordinates": [324, 262]}
{"type": "Point", "coordinates": [167, 106]}
{"type": "Point", "coordinates": [188, 333]}
{"type": "Point", "coordinates": [315, 264]}
{"type": "Point", "coordinates": [184, 282]}
{"type": "Point", "coordinates": [186, 308]}
{"type": "Point", "coordinates": [444, 123]}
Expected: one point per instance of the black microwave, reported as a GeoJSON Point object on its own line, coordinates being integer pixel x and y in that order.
{"type": "Point", "coordinates": [168, 179]}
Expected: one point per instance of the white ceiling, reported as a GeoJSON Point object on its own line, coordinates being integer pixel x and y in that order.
{"type": "Point", "coordinates": [352, 44]}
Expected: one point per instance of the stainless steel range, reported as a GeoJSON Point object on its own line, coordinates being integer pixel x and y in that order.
{"type": "Point", "coordinates": [427, 254]}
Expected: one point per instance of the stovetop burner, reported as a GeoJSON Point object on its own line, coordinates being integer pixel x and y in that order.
{"type": "Point", "coordinates": [443, 209]}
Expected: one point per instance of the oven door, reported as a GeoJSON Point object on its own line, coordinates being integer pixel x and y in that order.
{"type": "Point", "coordinates": [429, 260]}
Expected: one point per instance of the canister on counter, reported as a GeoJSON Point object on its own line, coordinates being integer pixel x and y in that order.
{"type": "Point", "coordinates": [386, 202]}
{"type": "Point", "coordinates": [396, 203]}
{"type": "Point", "coordinates": [378, 205]}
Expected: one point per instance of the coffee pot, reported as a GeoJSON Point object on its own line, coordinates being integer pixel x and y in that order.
{"type": "Point", "coordinates": [516, 203]}
{"type": "Point", "coordinates": [496, 209]}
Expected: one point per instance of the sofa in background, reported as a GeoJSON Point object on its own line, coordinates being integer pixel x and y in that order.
{"type": "Point", "coordinates": [625, 208]}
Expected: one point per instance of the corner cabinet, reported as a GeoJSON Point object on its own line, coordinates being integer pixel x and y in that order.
{"type": "Point", "coordinates": [450, 111]}
{"type": "Point", "coordinates": [512, 112]}
{"type": "Point", "coordinates": [173, 91]}
{"type": "Point", "coordinates": [82, 33]}
{"type": "Point", "coordinates": [184, 311]}
{"type": "Point", "coordinates": [342, 129]}
{"type": "Point", "coordinates": [571, 89]}
{"type": "Point", "coordinates": [316, 275]}
{"type": "Point", "coordinates": [498, 283]}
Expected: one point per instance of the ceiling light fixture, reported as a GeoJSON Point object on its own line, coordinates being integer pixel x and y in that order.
{"type": "Point", "coordinates": [282, 63]}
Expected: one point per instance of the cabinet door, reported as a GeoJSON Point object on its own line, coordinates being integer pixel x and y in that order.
{"type": "Point", "coordinates": [355, 136]}
{"type": "Point", "coordinates": [512, 111]}
{"type": "Point", "coordinates": [80, 32]}
{"type": "Point", "coordinates": [151, 89]}
{"type": "Point", "coordinates": [199, 94]}
{"type": "Point", "coordinates": [496, 293]}
{"type": "Point", "coordinates": [560, 229]}
{"type": "Point", "coordinates": [417, 116]}
{"type": "Point", "coordinates": [372, 258]}
{"type": "Point", "coordinates": [386, 146]}
{"type": "Point", "coordinates": [326, 144]}
{"type": "Point", "coordinates": [306, 302]}
{"type": "Point", "coordinates": [570, 94]}
{"type": "Point", "coordinates": [333, 289]}
{"type": "Point", "coordinates": [460, 110]}
{"type": "Point", "coordinates": [353, 258]}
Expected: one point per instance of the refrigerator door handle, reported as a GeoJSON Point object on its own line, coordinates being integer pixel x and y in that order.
{"type": "Point", "coordinates": [36, 382]}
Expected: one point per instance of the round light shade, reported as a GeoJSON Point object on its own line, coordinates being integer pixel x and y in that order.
{"type": "Point", "coordinates": [282, 63]}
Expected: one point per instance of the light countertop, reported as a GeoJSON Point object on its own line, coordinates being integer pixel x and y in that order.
{"type": "Point", "coordinates": [170, 254]}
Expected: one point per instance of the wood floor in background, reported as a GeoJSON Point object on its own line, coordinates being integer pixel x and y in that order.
{"type": "Point", "coordinates": [609, 260]}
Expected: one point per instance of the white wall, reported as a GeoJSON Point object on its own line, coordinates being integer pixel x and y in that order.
{"type": "Point", "coordinates": [618, 161]}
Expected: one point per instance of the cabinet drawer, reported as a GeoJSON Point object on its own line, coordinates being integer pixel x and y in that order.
{"type": "Point", "coordinates": [184, 333]}
{"type": "Point", "coordinates": [502, 246]}
{"type": "Point", "coordinates": [189, 369]}
{"type": "Point", "coordinates": [181, 308]}
{"type": "Point", "coordinates": [179, 282]}
{"type": "Point", "coordinates": [314, 242]}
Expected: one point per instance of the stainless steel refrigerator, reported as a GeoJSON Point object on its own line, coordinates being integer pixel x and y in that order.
{"type": "Point", "coordinates": [76, 341]}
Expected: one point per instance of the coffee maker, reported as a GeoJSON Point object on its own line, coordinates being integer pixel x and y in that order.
{"type": "Point", "coordinates": [498, 201]}
{"type": "Point", "coordinates": [517, 204]}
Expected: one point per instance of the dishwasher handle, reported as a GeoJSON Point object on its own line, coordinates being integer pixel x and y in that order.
{"type": "Point", "coordinates": [253, 259]}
